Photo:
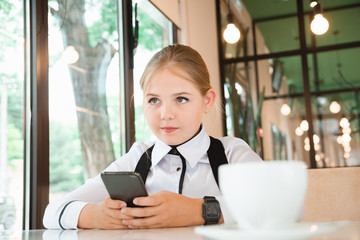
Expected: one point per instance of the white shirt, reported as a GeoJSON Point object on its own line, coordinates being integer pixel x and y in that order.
{"type": "Point", "coordinates": [199, 180]}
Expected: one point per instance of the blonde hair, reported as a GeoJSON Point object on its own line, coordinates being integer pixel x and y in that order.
{"type": "Point", "coordinates": [181, 60]}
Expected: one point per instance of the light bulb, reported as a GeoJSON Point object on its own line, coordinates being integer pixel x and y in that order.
{"type": "Point", "coordinates": [304, 125]}
{"type": "Point", "coordinates": [344, 123]}
{"type": "Point", "coordinates": [346, 138]}
{"type": "Point", "coordinates": [334, 107]}
{"type": "Point", "coordinates": [231, 33]}
{"type": "Point", "coordinates": [285, 109]}
{"type": "Point", "coordinates": [313, 3]}
{"type": "Point", "coordinates": [316, 139]}
{"type": "Point", "coordinates": [307, 147]}
{"type": "Point", "coordinates": [339, 140]}
{"type": "Point", "coordinates": [347, 149]}
{"type": "Point", "coordinates": [319, 24]}
{"type": "Point", "coordinates": [298, 131]}
{"type": "Point", "coordinates": [316, 147]}
{"type": "Point", "coordinates": [346, 130]}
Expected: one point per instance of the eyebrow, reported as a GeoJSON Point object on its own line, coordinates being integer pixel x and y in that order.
{"type": "Point", "coordinates": [175, 94]}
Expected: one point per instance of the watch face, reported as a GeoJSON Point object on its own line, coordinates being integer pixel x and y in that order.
{"type": "Point", "coordinates": [212, 210]}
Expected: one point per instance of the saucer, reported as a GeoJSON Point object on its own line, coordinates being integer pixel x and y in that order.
{"type": "Point", "coordinates": [294, 231]}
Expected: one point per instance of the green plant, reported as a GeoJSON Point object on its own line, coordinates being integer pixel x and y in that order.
{"type": "Point", "coordinates": [246, 121]}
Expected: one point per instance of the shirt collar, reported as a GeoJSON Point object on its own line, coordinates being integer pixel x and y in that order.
{"type": "Point", "coordinates": [192, 150]}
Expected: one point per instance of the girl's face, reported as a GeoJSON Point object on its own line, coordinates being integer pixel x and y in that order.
{"type": "Point", "coordinates": [174, 107]}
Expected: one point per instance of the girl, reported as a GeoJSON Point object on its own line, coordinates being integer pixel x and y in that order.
{"type": "Point", "coordinates": [182, 188]}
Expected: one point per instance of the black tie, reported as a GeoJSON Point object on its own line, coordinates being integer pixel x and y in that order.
{"type": "Point", "coordinates": [174, 151]}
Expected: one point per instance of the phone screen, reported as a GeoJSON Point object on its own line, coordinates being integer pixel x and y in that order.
{"type": "Point", "coordinates": [124, 186]}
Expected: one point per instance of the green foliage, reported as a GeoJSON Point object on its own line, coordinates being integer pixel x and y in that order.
{"type": "Point", "coordinates": [5, 7]}
{"type": "Point", "coordinates": [12, 31]}
{"type": "Point", "coordinates": [16, 104]}
{"type": "Point", "coordinates": [15, 143]}
{"type": "Point", "coordinates": [249, 121]}
{"type": "Point", "coordinates": [150, 32]}
{"type": "Point", "coordinates": [107, 23]}
{"type": "Point", "coordinates": [66, 167]}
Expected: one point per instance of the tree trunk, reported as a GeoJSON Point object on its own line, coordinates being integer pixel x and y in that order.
{"type": "Point", "coordinates": [88, 77]}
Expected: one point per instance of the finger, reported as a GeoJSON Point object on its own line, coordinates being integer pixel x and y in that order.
{"type": "Point", "coordinates": [111, 222]}
{"type": "Point", "coordinates": [139, 212]}
{"type": "Point", "coordinates": [147, 201]}
{"type": "Point", "coordinates": [149, 222]}
{"type": "Point", "coordinates": [116, 214]}
{"type": "Point", "coordinates": [115, 204]}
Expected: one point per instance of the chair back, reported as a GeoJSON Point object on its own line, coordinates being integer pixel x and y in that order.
{"type": "Point", "coordinates": [333, 194]}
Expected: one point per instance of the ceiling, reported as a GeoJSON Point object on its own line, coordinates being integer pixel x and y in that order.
{"type": "Point", "coordinates": [271, 8]}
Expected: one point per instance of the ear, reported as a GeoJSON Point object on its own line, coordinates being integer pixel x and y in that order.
{"type": "Point", "coordinates": [209, 99]}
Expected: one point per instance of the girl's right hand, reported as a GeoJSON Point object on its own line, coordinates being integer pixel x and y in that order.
{"type": "Point", "coordinates": [104, 215]}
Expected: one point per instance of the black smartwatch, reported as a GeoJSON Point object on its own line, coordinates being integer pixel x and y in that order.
{"type": "Point", "coordinates": [211, 210]}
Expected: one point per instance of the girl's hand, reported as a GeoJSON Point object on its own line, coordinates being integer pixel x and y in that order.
{"type": "Point", "coordinates": [104, 215]}
{"type": "Point", "coordinates": [164, 209]}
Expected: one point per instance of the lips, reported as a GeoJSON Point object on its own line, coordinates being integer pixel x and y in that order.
{"type": "Point", "coordinates": [169, 129]}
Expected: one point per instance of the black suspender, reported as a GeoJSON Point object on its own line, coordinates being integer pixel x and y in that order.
{"type": "Point", "coordinates": [144, 164]}
{"type": "Point", "coordinates": [216, 154]}
{"type": "Point", "coordinates": [217, 157]}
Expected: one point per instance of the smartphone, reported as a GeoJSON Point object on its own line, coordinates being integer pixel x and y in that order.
{"type": "Point", "coordinates": [124, 186]}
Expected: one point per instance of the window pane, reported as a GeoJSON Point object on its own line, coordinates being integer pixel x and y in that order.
{"type": "Point", "coordinates": [235, 88]}
{"type": "Point", "coordinates": [281, 120]}
{"type": "Point", "coordinates": [334, 70]}
{"type": "Point", "coordinates": [240, 106]}
{"type": "Point", "coordinates": [11, 116]}
{"type": "Point", "coordinates": [281, 76]}
{"type": "Point", "coordinates": [84, 92]}
{"type": "Point", "coordinates": [277, 35]}
{"type": "Point", "coordinates": [337, 128]}
{"type": "Point", "coordinates": [269, 9]}
{"type": "Point", "coordinates": [155, 32]}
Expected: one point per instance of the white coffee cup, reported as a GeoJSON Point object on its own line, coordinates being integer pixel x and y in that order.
{"type": "Point", "coordinates": [264, 195]}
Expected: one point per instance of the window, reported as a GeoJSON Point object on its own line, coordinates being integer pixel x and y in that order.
{"type": "Point", "coordinates": [11, 116]}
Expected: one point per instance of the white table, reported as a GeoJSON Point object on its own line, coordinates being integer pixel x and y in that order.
{"type": "Point", "coordinates": [348, 231]}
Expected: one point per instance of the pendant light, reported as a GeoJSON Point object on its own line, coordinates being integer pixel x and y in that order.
{"type": "Point", "coordinates": [231, 33]}
{"type": "Point", "coordinates": [319, 25]}
{"type": "Point", "coordinates": [313, 3]}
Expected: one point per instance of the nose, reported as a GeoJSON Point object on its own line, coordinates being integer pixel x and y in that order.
{"type": "Point", "coordinates": [167, 112]}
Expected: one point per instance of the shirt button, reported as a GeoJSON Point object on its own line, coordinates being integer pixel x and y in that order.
{"type": "Point", "coordinates": [178, 169]}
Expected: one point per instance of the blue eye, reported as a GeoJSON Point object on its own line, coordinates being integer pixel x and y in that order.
{"type": "Point", "coordinates": [153, 101]}
{"type": "Point", "coordinates": [182, 100]}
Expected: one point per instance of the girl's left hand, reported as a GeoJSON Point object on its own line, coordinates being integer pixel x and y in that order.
{"type": "Point", "coordinates": [164, 209]}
